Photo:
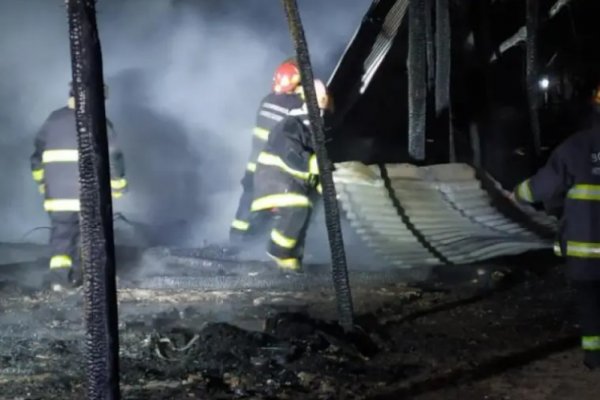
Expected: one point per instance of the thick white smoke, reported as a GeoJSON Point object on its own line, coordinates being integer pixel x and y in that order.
{"type": "Point", "coordinates": [185, 83]}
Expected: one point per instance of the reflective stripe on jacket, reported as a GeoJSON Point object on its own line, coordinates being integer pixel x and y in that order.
{"type": "Point", "coordinates": [573, 173]}
{"type": "Point", "coordinates": [286, 173]}
{"type": "Point", "coordinates": [54, 162]}
{"type": "Point", "coordinates": [274, 108]}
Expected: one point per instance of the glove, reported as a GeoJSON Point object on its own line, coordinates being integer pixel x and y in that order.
{"type": "Point", "coordinates": [119, 187]}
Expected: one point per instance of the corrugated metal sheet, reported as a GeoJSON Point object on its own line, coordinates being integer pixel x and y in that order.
{"type": "Point", "coordinates": [429, 215]}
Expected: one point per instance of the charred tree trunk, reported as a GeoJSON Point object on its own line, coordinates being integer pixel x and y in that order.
{"type": "Point", "coordinates": [417, 80]}
{"type": "Point", "coordinates": [332, 213]}
{"type": "Point", "coordinates": [97, 246]}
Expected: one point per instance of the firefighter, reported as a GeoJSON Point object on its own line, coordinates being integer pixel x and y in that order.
{"type": "Point", "coordinates": [285, 180]}
{"type": "Point", "coordinates": [573, 173]}
{"type": "Point", "coordinates": [273, 108]}
{"type": "Point", "coordinates": [54, 165]}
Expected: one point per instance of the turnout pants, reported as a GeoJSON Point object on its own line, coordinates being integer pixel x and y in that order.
{"type": "Point", "coordinates": [64, 240]}
{"type": "Point", "coordinates": [588, 304]}
{"type": "Point", "coordinates": [286, 244]}
{"type": "Point", "coordinates": [286, 199]}
{"type": "Point", "coordinates": [247, 224]}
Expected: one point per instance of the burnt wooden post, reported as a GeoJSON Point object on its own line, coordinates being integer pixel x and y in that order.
{"type": "Point", "coordinates": [417, 79]}
{"type": "Point", "coordinates": [533, 95]}
{"type": "Point", "coordinates": [443, 66]}
{"type": "Point", "coordinates": [339, 267]}
{"type": "Point", "coordinates": [96, 220]}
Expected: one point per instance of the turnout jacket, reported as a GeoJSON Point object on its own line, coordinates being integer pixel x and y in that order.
{"type": "Point", "coordinates": [273, 109]}
{"type": "Point", "coordinates": [573, 173]}
{"type": "Point", "coordinates": [287, 169]}
{"type": "Point", "coordinates": [54, 162]}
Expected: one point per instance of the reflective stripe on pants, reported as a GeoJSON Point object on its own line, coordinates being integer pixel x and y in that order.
{"type": "Point", "coordinates": [282, 241]}
{"type": "Point", "coordinates": [61, 261]}
{"type": "Point", "coordinates": [60, 155]}
{"type": "Point", "coordinates": [240, 225]}
{"type": "Point", "coordinates": [58, 205]}
{"type": "Point", "coordinates": [118, 184]}
{"type": "Point", "coordinates": [280, 200]}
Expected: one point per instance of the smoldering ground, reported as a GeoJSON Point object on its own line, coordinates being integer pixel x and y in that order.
{"type": "Point", "coordinates": [185, 80]}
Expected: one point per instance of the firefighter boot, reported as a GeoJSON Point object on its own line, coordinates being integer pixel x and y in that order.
{"type": "Point", "coordinates": [59, 279]}
{"type": "Point", "coordinates": [288, 265]}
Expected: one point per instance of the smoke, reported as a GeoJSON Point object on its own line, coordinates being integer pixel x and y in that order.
{"type": "Point", "coordinates": [185, 80]}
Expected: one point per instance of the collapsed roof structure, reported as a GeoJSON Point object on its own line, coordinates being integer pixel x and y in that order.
{"type": "Point", "coordinates": [488, 82]}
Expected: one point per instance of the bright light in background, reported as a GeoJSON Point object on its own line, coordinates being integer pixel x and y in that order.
{"type": "Point", "coordinates": [544, 83]}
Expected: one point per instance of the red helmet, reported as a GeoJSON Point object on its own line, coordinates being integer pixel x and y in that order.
{"type": "Point", "coordinates": [287, 77]}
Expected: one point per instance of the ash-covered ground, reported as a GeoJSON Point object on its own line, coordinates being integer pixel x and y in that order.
{"type": "Point", "coordinates": [507, 332]}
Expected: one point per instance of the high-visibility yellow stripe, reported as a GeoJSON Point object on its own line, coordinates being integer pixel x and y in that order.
{"type": "Point", "coordinates": [251, 167]}
{"type": "Point", "coordinates": [590, 343]}
{"type": "Point", "coordinates": [583, 249]}
{"type": "Point", "coordinates": [118, 184]}
{"type": "Point", "coordinates": [584, 192]}
{"type": "Point", "coordinates": [272, 160]}
{"type": "Point", "coordinates": [62, 205]}
{"type": "Point", "coordinates": [240, 225]}
{"type": "Point", "coordinates": [524, 191]}
{"type": "Point", "coordinates": [42, 188]}
{"type": "Point", "coordinates": [64, 155]}
{"type": "Point", "coordinates": [38, 174]}
{"type": "Point", "coordinates": [292, 264]}
{"type": "Point", "coordinates": [280, 200]}
{"type": "Point", "coordinates": [557, 249]}
{"type": "Point", "coordinates": [261, 133]}
{"type": "Point", "coordinates": [283, 241]}
{"type": "Point", "coordinates": [61, 261]}
{"type": "Point", "coordinates": [117, 195]}
{"type": "Point", "coordinates": [313, 166]}
{"type": "Point", "coordinates": [320, 188]}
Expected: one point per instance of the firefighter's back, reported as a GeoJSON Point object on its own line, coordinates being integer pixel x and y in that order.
{"type": "Point", "coordinates": [60, 156]}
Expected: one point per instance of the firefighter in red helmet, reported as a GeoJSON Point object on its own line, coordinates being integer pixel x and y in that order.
{"type": "Point", "coordinates": [286, 178]}
{"type": "Point", "coordinates": [274, 107]}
